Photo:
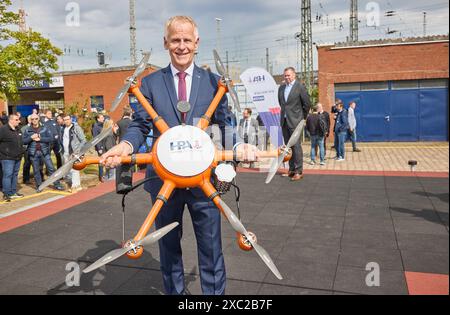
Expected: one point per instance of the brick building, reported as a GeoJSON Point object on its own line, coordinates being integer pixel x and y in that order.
{"type": "Point", "coordinates": [87, 89]}
{"type": "Point", "coordinates": [400, 86]}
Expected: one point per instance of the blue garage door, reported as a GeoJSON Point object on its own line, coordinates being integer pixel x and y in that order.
{"type": "Point", "coordinates": [399, 110]}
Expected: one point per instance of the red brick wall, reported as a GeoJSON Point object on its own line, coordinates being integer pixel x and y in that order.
{"type": "Point", "coordinates": [78, 88]}
{"type": "Point", "coordinates": [382, 63]}
{"type": "Point", "coordinates": [2, 106]}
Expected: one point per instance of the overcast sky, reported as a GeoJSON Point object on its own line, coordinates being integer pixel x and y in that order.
{"type": "Point", "coordinates": [247, 27]}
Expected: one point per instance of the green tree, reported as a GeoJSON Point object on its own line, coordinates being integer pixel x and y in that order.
{"type": "Point", "coordinates": [23, 55]}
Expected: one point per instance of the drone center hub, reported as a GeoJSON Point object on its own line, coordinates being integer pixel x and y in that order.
{"type": "Point", "coordinates": [185, 150]}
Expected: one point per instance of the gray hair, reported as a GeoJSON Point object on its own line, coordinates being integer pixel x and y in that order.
{"type": "Point", "coordinates": [180, 19]}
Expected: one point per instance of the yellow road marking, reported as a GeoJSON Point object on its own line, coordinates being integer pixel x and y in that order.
{"type": "Point", "coordinates": [38, 194]}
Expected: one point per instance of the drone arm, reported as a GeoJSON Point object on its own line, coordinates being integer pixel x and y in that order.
{"type": "Point", "coordinates": [206, 118]}
{"type": "Point", "coordinates": [228, 155]}
{"type": "Point", "coordinates": [142, 158]}
{"type": "Point", "coordinates": [158, 122]}
{"type": "Point", "coordinates": [161, 200]}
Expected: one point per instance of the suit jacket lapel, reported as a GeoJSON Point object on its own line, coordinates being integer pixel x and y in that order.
{"type": "Point", "coordinates": [294, 88]}
{"type": "Point", "coordinates": [168, 80]}
{"type": "Point", "coordinates": [196, 79]}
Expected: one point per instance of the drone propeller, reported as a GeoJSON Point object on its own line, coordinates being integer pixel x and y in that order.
{"type": "Point", "coordinates": [276, 163]}
{"type": "Point", "coordinates": [226, 76]}
{"type": "Point", "coordinates": [114, 254]}
{"type": "Point", "coordinates": [65, 169]}
{"type": "Point", "coordinates": [239, 227]}
{"type": "Point", "coordinates": [140, 68]}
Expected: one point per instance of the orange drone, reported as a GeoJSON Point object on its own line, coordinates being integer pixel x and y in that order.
{"type": "Point", "coordinates": [183, 157]}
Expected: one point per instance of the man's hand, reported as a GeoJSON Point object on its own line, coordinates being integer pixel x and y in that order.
{"type": "Point", "coordinates": [247, 152]}
{"type": "Point", "coordinates": [112, 158]}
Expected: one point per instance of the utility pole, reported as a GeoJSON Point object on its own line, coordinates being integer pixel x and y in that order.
{"type": "Point", "coordinates": [132, 33]}
{"type": "Point", "coordinates": [354, 21]}
{"type": "Point", "coordinates": [267, 60]}
{"type": "Point", "coordinates": [218, 20]}
{"type": "Point", "coordinates": [306, 45]}
{"type": "Point", "coordinates": [424, 24]}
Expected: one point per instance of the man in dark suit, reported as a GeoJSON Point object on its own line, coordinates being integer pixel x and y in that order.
{"type": "Point", "coordinates": [181, 80]}
{"type": "Point", "coordinates": [295, 104]}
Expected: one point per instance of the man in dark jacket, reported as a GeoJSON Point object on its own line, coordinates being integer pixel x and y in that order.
{"type": "Point", "coordinates": [39, 139]}
{"type": "Point", "coordinates": [295, 104]}
{"type": "Point", "coordinates": [52, 125]}
{"type": "Point", "coordinates": [340, 131]}
{"type": "Point", "coordinates": [325, 118]}
{"type": "Point", "coordinates": [97, 128]}
{"type": "Point", "coordinates": [314, 126]}
{"type": "Point", "coordinates": [11, 151]}
{"type": "Point", "coordinates": [124, 122]}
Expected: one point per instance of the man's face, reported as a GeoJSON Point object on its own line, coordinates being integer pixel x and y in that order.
{"type": "Point", "coordinates": [182, 44]}
{"type": "Point", "coordinates": [289, 76]}
{"type": "Point", "coordinates": [319, 108]}
{"type": "Point", "coordinates": [15, 121]}
{"type": "Point", "coordinates": [35, 121]}
{"type": "Point", "coordinates": [246, 114]}
{"type": "Point", "coordinates": [67, 121]}
{"type": "Point", "coordinates": [101, 119]}
{"type": "Point", "coordinates": [49, 115]}
{"type": "Point", "coordinates": [60, 120]}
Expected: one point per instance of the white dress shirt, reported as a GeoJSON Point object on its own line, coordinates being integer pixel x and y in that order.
{"type": "Point", "coordinates": [189, 71]}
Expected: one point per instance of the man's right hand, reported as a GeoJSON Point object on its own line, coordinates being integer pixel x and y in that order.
{"type": "Point", "coordinates": [113, 157]}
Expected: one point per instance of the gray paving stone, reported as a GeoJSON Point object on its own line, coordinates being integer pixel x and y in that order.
{"type": "Point", "coordinates": [368, 239]}
{"type": "Point", "coordinates": [423, 242]}
{"type": "Point", "coordinates": [304, 274]}
{"type": "Point", "coordinates": [427, 262]}
{"type": "Point", "coordinates": [270, 289]}
{"type": "Point", "coordinates": [389, 259]}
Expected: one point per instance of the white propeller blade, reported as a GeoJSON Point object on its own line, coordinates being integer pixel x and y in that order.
{"type": "Point", "coordinates": [276, 163]}
{"type": "Point", "coordinates": [239, 227]}
{"type": "Point", "coordinates": [140, 68]}
{"type": "Point", "coordinates": [116, 253]}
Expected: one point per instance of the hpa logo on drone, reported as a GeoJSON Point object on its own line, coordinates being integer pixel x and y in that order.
{"type": "Point", "coordinates": [185, 145]}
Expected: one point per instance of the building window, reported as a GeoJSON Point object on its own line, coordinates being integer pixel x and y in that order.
{"type": "Point", "coordinates": [52, 105]}
{"type": "Point", "coordinates": [97, 104]}
{"type": "Point", "coordinates": [434, 84]}
{"type": "Point", "coordinates": [374, 86]}
{"type": "Point", "coordinates": [342, 87]}
{"type": "Point", "coordinates": [404, 85]}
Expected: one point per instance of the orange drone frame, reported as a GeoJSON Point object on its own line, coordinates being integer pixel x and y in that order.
{"type": "Point", "coordinates": [173, 180]}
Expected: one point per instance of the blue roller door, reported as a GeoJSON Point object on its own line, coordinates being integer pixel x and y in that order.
{"type": "Point", "coordinates": [400, 114]}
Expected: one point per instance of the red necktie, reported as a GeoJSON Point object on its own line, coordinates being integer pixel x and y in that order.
{"type": "Point", "coordinates": [182, 95]}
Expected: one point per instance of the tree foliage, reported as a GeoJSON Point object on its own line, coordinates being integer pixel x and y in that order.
{"type": "Point", "coordinates": [23, 55]}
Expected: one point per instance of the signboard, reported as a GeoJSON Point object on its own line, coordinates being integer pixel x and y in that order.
{"type": "Point", "coordinates": [263, 92]}
{"type": "Point", "coordinates": [29, 84]}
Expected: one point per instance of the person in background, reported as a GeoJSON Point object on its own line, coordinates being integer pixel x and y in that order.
{"type": "Point", "coordinates": [334, 111]}
{"type": "Point", "coordinates": [326, 118]}
{"type": "Point", "coordinates": [73, 139]}
{"type": "Point", "coordinates": [52, 125]}
{"type": "Point", "coordinates": [352, 125]}
{"type": "Point", "coordinates": [124, 122]}
{"type": "Point", "coordinates": [26, 168]}
{"type": "Point", "coordinates": [108, 143]}
{"type": "Point", "coordinates": [11, 151]}
{"type": "Point", "coordinates": [248, 130]}
{"type": "Point", "coordinates": [4, 119]}
{"type": "Point", "coordinates": [295, 105]}
{"type": "Point", "coordinates": [97, 128]}
{"type": "Point", "coordinates": [39, 138]}
{"type": "Point", "coordinates": [340, 131]}
{"type": "Point", "coordinates": [316, 130]}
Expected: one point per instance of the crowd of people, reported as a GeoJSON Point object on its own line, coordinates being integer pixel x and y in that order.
{"type": "Point", "coordinates": [40, 136]}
